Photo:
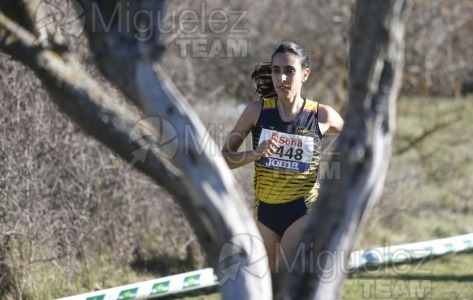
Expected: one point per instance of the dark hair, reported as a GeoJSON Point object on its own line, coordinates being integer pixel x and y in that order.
{"type": "Point", "coordinates": [262, 72]}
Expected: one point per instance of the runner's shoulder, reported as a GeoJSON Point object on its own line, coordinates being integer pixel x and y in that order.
{"type": "Point", "coordinates": [252, 111]}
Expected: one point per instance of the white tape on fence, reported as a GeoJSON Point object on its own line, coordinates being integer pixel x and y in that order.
{"type": "Point", "coordinates": [207, 278]}
{"type": "Point", "coordinates": [410, 252]}
{"type": "Point", "coordinates": [154, 288]}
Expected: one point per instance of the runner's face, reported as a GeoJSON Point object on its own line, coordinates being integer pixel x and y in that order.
{"type": "Point", "coordinates": [287, 74]}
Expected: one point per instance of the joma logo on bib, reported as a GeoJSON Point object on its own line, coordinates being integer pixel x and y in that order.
{"type": "Point", "coordinates": [282, 164]}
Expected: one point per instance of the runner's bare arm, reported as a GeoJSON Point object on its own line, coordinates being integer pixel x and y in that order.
{"type": "Point", "coordinates": [245, 123]}
{"type": "Point", "coordinates": [329, 119]}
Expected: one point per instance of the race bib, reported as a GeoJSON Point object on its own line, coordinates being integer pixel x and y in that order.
{"type": "Point", "coordinates": [294, 152]}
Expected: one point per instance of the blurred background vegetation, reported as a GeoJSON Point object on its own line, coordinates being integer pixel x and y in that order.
{"type": "Point", "coordinates": [74, 217]}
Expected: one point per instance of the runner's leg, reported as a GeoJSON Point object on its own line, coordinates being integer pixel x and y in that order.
{"type": "Point", "coordinates": [290, 242]}
{"type": "Point", "coordinates": [271, 242]}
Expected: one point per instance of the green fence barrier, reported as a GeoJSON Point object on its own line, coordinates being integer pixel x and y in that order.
{"type": "Point", "coordinates": [154, 288]}
{"type": "Point", "coordinates": [207, 278]}
{"type": "Point", "coordinates": [410, 252]}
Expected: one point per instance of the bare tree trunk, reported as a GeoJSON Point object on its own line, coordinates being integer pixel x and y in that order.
{"type": "Point", "coordinates": [376, 59]}
{"type": "Point", "coordinates": [202, 184]}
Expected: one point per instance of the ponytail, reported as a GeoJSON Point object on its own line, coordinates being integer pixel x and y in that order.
{"type": "Point", "coordinates": [264, 83]}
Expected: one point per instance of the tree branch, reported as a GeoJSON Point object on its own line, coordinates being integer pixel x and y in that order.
{"type": "Point", "coordinates": [84, 101]}
{"type": "Point", "coordinates": [376, 55]}
{"type": "Point", "coordinates": [203, 185]}
{"type": "Point", "coordinates": [218, 211]}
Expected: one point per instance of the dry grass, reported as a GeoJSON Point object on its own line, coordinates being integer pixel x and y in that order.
{"type": "Point", "coordinates": [427, 193]}
{"type": "Point", "coordinates": [72, 213]}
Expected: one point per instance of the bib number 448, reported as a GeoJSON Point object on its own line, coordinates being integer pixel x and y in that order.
{"type": "Point", "coordinates": [289, 152]}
